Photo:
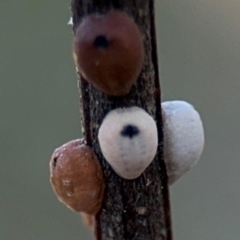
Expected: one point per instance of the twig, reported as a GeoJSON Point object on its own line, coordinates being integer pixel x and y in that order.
{"type": "Point", "coordinates": [136, 209]}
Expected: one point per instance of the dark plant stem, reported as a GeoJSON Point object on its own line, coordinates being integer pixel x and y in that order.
{"type": "Point", "coordinates": [138, 209]}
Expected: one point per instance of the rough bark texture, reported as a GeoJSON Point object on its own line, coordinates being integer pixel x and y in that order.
{"type": "Point", "coordinates": [136, 209]}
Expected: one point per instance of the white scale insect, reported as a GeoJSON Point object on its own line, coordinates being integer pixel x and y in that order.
{"type": "Point", "coordinates": [128, 139]}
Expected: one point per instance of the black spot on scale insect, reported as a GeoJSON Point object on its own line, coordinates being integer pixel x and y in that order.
{"type": "Point", "coordinates": [130, 131]}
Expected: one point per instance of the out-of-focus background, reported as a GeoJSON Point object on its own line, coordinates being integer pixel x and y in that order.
{"type": "Point", "coordinates": [199, 52]}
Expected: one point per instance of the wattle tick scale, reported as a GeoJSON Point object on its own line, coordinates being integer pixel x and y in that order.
{"type": "Point", "coordinates": [108, 51]}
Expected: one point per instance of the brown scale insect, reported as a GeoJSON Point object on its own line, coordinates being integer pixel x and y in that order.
{"type": "Point", "coordinates": [76, 177]}
{"type": "Point", "coordinates": [109, 52]}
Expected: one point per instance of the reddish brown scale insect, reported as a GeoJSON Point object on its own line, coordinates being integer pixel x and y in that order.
{"type": "Point", "coordinates": [109, 52]}
{"type": "Point", "coordinates": [76, 177]}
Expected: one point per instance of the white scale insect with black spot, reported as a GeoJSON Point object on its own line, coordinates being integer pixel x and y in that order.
{"type": "Point", "coordinates": [128, 139]}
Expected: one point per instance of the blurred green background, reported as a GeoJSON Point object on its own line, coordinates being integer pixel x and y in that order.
{"type": "Point", "coordinates": [199, 52]}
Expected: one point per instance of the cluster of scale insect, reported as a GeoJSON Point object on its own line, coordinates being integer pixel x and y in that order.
{"type": "Point", "coordinates": [108, 52]}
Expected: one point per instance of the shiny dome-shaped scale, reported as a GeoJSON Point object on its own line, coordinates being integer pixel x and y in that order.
{"type": "Point", "coordinates": [128, 140]}
{"type": "Point", "coordinates": [183, 138]}
{"type": "Point", "coordinates": [76, 177]}
{"type": "Point", "coordinates": [109, 52]}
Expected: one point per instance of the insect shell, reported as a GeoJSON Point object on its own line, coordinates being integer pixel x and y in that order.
{"type": "Point", "coordinates": [128, 140]}
{"type": "Point", "coordinates": [109, 52]}
{"type": "Point", "coordinates": [183, 138]}
{"type": "Point", "coordinates": [76, 177]}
